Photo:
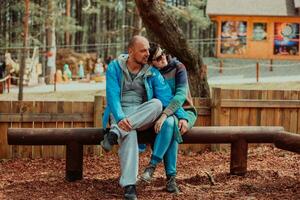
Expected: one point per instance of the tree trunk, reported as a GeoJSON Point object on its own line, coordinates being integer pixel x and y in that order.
{"type": "Point", "coordinates": [25, 45]}
{"type": "Point", "coordinates": [108, 29]}
{"type": "Point", "coordinates": [79, 18]}
{"type": "Point", "coordinates": [170, 36]}
{"type": "Point", "coordinates": [51, 43]}
{"type": "Point", "coordinates": [14, 20]}
{"type": "Point", "coordinates": [68, 14]}
{"type": "Point", "coordinates": [137, 23]}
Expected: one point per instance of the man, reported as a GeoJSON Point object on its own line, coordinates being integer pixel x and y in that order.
{"type": "Point", "coordinates": [135, 95]}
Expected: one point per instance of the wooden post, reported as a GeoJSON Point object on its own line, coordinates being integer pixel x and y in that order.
{"type": "Point", "coordinates": [8, 83]}
{"type": "Point", "coordinates": [98, 110]}
{"type": "Point", "coordinates": [238, 162]}
{"type": "Point", "coordinates": [215, 116]}
{"type": "Point", "coordinates": [221, 67]}
{"type": "Point", "coordinates": [55, 82]}
{"type": "Point", "coordinates": [98, 114]}
{"type": "Point", "coordinates": [74, 161]}
{"type": "Point", "coordinates": [257, 72]}
{"type": "Point", "coordinates": [271, 65]}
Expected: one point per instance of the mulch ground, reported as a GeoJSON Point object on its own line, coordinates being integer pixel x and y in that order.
{"type": "Point", "coordinates": [272, 174]}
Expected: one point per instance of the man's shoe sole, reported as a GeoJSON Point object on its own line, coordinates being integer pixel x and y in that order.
{"type": "Point", "coordinates": [145, 180]}
{"type": "Point", "coordinates": [175, 191]}
{"type": "Point", "coordinates": [130, 198]}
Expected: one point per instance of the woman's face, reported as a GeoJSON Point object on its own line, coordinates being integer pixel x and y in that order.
{"type": "Point", "coordinates": [160, 62]}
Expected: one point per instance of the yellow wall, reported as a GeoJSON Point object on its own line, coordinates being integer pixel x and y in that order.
{"type": "Point", "coordinates": [255, 49]}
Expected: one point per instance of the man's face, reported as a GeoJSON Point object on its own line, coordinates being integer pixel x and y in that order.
{"type": "Point", "coordinates": [140, 51]}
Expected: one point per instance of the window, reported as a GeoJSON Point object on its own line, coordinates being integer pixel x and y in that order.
{"type": "Point", "coordinates": [233, 37]}
{"type": "Point", "coordinates": [286, 39]}
{"type": "Point", "coordinates": [259, 31]}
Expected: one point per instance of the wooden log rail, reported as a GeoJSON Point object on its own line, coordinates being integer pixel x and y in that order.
{"type": "Point", "coordinates": [237, 136]}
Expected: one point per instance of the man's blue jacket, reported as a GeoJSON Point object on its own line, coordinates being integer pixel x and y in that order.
{"type": "Point", "coordinates": [155, 86]}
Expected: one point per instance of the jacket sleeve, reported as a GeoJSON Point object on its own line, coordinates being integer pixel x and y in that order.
{"type": "Point", "coordinates": [113, 90]}
{"type": "Point", "coordinates": [181, 87]}
{"type": "Point", "coordinates": [163, 92]}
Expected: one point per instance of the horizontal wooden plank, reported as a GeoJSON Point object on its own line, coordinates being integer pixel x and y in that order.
{"type": "Point", "coordinates": [202, 135]}
{"type": "Point", "coordinates": [203, 111]}
{"type": "Point", "coordinates": [46, 117]}
{"type": "Point", "coordinates": [256, 103]}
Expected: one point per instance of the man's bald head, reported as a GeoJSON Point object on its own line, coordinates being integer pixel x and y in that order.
{"type": "Point", "coordinates": [136, 39]}
{"type": "Point", "coordinates": [138, 49]}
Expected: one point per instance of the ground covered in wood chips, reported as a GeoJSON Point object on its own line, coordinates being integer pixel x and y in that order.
{"type": "Point", "coordinates": [272, 174]}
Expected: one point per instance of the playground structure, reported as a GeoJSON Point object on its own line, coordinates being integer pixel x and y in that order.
{"type": "Point", "coordinates": [69, 63]}
{"type": "Point", "coordinates": [73, 60]}
{"type": "Point", "coordinates": [32, 68]}
{"type": "Point", "coordinates": [238, 137]}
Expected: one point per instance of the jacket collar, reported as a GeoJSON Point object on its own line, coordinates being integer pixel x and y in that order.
{"type": "Point", "coordinates": [145, 71]}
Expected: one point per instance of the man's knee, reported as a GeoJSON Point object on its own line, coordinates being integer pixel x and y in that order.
{"type": "Point", "coordinates": [156, 104]}
{"type": "Point", "coordinates": [130, 138]}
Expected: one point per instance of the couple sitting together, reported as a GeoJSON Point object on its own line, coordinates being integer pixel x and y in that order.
{"type": "Point", "coordinates": [144, 89]}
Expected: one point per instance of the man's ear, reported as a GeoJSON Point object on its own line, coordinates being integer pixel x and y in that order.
{"type": "Point", "coordinates": [130, 50]}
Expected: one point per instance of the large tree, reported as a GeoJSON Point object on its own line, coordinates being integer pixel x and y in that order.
{"type": "Point", "coordinates": [51, 41]}
{"type": "Point", "coordinates": [25, 45]}
{"type": "Point", "coordinates": [167, 32]}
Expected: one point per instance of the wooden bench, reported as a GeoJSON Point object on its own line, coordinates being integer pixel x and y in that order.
{"type": "Point", "coordinates": [239, 137]}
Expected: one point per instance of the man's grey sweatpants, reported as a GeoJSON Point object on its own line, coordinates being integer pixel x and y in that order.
{"type": "Point", "coordinates": [140, 116]}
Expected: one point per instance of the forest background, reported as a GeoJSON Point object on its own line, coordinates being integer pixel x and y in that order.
{"type": "Point", "coordinates": [105, 27]}
{"type": "Point", "coordinates": [102, 26]}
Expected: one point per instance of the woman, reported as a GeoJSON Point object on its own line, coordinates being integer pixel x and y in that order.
{"type": "Point", "coordinates": [166, 143]}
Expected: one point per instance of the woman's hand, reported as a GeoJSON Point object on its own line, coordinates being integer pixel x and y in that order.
{"type": "Point", "coordinates": [159, 123]}
{"type": "Point", "coordinates": [183, 126]}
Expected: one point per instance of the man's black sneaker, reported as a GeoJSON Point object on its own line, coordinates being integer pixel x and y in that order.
{"type": "Point", "coordinates": [130, 192]}
{"type": "Point", "coordinates": [109, 140]}
{"type": "Point", "coordinates": [148, 173]}
{"type": "Point", "coordinates": [112, 138]}
{"type": "Point", "coordinates": [171, 185]}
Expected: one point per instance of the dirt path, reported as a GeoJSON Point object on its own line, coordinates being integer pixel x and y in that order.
{"type": "Point", "coordinates": [272, 174]}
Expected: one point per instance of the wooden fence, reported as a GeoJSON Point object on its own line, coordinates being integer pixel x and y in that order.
{"type": "Point", "coordinates": [225, 108]}
{"type": "Point", "coordinates": [256, 108]}
{"type": "Point", "coordinates": [38, 114]}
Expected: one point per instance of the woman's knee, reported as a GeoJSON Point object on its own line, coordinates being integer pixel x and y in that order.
{"type": "Point", "coordinates": [169, 122]}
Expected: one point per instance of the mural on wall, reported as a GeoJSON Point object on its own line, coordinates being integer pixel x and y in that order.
{"type": "Point", "coordinates": [259, 31]}
{"type": "Point", "coordinates": [233, 37]}
{"type": "Point", "coordinates": [286, 39]}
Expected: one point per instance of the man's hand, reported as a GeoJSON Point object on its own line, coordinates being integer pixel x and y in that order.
{"type": "Point", "coordinates": [159, 123]}
{"type": "Point", "coordinates": [183, 126]}
{"type": "Point", "coordinates": [125, 125]}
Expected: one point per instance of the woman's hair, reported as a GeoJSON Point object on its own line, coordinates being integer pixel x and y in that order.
{"type": "Point", "coordinates": [153, 50]}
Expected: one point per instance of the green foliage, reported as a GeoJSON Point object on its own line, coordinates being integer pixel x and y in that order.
{"type": "Point", "coordinates": [194, 12]}
{"type": "Point", "coordinates": [97, 21]}
{"type": "Point", "coordinates": [38, 17]}
{"type": "Point", "coordinates": [93, 7]}
{"type": "Point", "coordinates": [67, 24]}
